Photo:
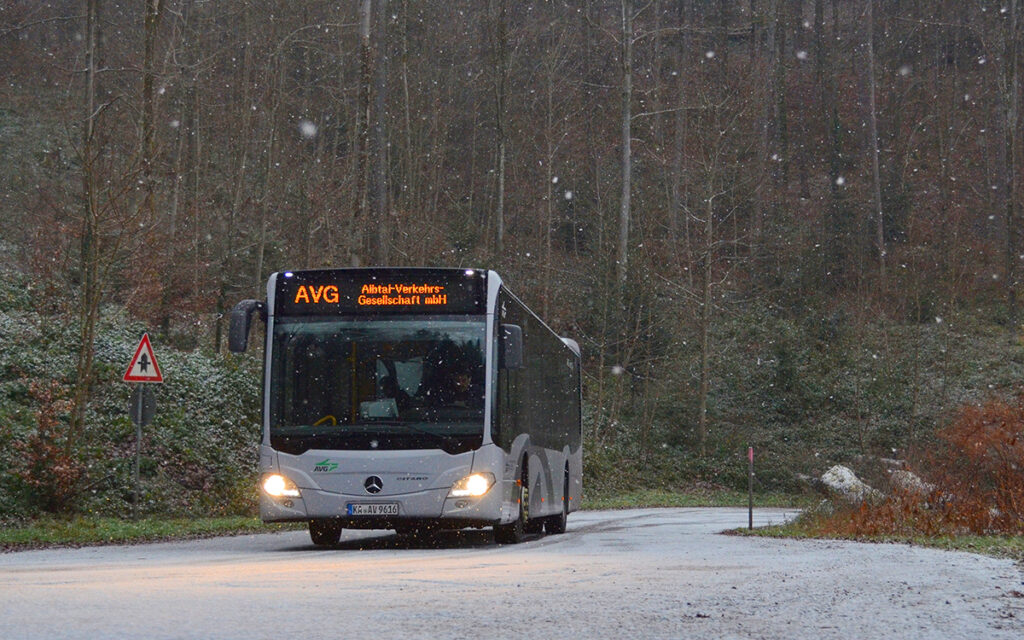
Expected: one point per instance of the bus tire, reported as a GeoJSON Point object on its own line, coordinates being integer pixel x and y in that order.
{"type": "Point", "coordinates": [324, 532]}
{"type": "Point", "coordinates": [533, 526]}
{"type": "Point", "coordinates": [513, 532]}
{"type": "Point", "coordinates": [556, 524]}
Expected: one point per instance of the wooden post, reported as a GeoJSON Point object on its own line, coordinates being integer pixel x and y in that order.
{"type": "Point", "coordinates": [750, 488]}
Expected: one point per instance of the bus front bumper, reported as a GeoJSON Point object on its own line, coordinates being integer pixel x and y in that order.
{"type": "Point", "coordinates": [433, 506]}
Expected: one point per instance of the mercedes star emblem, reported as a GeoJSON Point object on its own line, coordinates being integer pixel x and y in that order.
{"type": "Point", "coordinates": [373, 484]}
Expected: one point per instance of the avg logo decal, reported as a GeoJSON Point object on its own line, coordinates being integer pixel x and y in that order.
{"type": "Point", "coordinates": [326, 466]}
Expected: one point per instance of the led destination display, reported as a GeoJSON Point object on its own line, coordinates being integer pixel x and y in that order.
{"type": "Point", "coordinates": [376, 291]}
{"type": "Point", "coordinates": [402, 294]}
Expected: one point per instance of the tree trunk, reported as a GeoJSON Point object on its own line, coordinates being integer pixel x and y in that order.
{"type": "Point", "coordinates": [622, 255]}
{"type": "Point", "coordinates": [362, 141]}
{"type": "Point", "coordinates": [501, 73]}
{"type": "Point", "coordinates": [153, 16]}
{"type": "Point", "coordinates": [270, 171]}
{"type": "Point", "coordinates": [838, 236]}
{"type": "Point", "coordinates": [705, 319]}
{"type": "Point", "coordinates": [90, 234]}
{"type": "Point", "coordinates": [779, 66]}
{"type": "Point", "coordinates": [765, 16]}
{"type": "Point", "coordinates": [677, 196]}
{"type": "Point", "coordinates": [410, 180]}
{"type": "Point", "coordinates": [549, 161]}
{"type": "Point", "coordinates": [182, 142]}
{"type": "Point", "coordinates": [380, 135]}
{"type": "Point", "coordinates": [1011, 93]}
{"type": "Point", "coordinates": [873, 135]}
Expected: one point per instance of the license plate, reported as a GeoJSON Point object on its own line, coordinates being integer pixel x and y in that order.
{"type": "Point", "coordinates": [373, 509]}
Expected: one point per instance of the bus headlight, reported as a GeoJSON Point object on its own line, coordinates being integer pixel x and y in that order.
{"type": "Point", "coordinates": [279, 486]}
{"type": "Point", "coordinates": [473, 486]}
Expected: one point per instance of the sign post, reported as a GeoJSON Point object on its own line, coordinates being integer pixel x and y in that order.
{"type": "Point", "coordinates": [750, 488]}
{"type": "Point", "coordinates": [142, 370]}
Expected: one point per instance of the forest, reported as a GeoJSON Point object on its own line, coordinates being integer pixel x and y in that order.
{"type": "Point", "coordinates": [786, 224]}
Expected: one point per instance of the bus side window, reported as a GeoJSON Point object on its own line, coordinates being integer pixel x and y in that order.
{"type": "Point", "coordinates": [511, 347]}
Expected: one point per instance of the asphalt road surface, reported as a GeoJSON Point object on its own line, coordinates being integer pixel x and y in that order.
{"type": "Point", "coordinates": [645, 573]}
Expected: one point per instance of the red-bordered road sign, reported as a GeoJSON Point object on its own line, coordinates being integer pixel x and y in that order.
{"type": "Point", "coordinates": [144, 367]}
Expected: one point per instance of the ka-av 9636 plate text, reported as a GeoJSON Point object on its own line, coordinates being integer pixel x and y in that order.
{"type": "Point", "coordinates": [373, 509]}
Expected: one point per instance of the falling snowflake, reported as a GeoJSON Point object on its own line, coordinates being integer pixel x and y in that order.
{"type": "Point", "coordinates": [307, 129]}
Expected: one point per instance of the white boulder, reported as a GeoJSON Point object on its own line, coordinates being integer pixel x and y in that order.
{"type": "Point", "coordinates": [843, 483]}
{"type": "Point", "coordinates": [909, 483]}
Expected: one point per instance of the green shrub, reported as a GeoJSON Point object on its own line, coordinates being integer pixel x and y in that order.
{"type": "Point", "coordinates": [199, 456]}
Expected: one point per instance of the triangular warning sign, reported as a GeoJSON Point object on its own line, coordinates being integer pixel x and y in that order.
{"type": "Point", "coordinates": [144, 367]}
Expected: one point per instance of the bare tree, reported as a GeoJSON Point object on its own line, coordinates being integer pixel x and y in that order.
{"type": "Point", "coordinates": [110, 170]}
{"type": "Point", "coordinates": [90, 227]}
{"type": "Point", "coordinates": [555, 132]}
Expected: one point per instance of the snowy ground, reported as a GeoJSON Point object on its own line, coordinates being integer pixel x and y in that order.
{"type": "Point", "coordinates": [645, 573]}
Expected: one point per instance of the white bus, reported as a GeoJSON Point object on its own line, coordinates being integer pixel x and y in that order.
{"type": "Point", "coordinates": [414, 400]}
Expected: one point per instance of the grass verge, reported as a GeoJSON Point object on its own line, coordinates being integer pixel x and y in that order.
{"type": "Point", "coordinates": [998, 546]}
{"type": "Point", "coordinates": [82, 531]}
{"type": "Point", "coordinates": [689, 498]}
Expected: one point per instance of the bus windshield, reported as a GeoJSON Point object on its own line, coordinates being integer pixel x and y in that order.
{"type": "Point", "coordinates": [377, 383]}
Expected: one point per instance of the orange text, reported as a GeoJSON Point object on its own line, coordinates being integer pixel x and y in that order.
{"type": "Point", "coordinates": [324, 293]}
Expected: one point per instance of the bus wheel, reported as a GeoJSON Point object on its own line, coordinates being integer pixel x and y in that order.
{"type": "Point", "coordinates": [513, 532]}
{"type": "Point", "coordinates": [324, 532]}
{"type": "Point", "coordinates": [556, 524]}
{"type": "Point", "coordinates": [534, 526]}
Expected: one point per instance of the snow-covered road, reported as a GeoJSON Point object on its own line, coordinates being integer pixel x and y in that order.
{"type": "Point", "coordinates": [642, 573]}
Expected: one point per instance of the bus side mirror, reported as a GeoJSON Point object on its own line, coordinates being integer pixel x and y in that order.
{"type": "Point", "coordinates": [241, 321]}
{"type": "Point", "coordinates": [511, 347]}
